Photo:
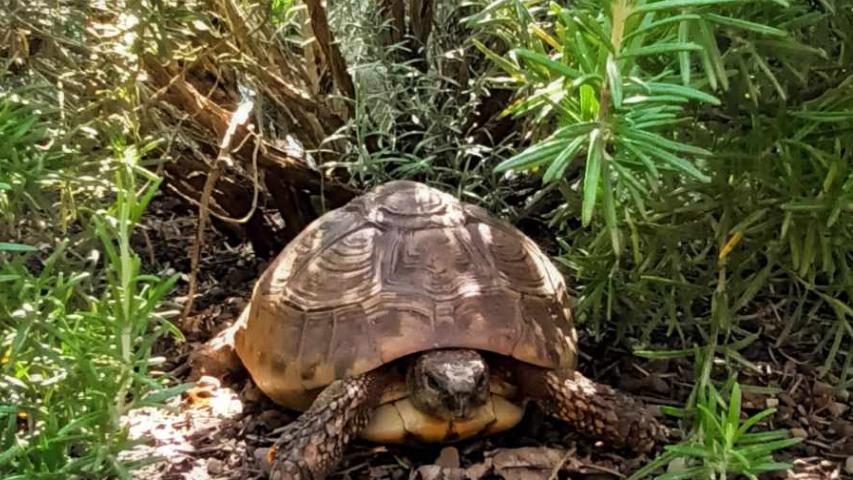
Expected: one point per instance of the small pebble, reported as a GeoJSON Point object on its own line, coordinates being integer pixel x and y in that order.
{"type": "Point", "coordinates": [848, 465]}
{"type": "Point", "coordinates": [838, 409]}
{"type": "Point", "coordinates": [448, 458]}
{"type": "Point", "coordinates": [787, 399]}
{"type": "Point", "coordinates": [215, 466]}
{"type": "Point", "coordinates": [799, 433]}
{"type": "Point", "coordinates": [772, 402]}
{"type": "Point", "coordinates": [822, 389]}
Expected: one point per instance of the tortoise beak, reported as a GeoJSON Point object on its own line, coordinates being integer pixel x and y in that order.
{"type": "Point", "coordinates": [462, 408]}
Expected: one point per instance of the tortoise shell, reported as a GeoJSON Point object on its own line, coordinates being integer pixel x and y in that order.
{"type": "Point", "coordinates": [402, 269]}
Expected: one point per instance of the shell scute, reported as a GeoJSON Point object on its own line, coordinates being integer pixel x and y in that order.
{"type": "Point", "coordinates": [348, 263]}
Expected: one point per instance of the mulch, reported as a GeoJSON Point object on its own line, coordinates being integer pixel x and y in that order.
{"type": "Point", "coordinates": [221, 428]}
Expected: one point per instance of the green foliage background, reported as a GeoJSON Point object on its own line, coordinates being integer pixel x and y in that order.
{"type": "Point", "coordinates": [716, 165]}
{"type": "Point", "coordinates": [79, 316]}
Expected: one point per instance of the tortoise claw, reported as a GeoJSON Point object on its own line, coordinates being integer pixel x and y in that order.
{"type": "Point", "coordinates": [312, 446]}
{"type": "Point", "coordinates": [290, 457]}
{"type": "Point", "coordinates": [289, 470]}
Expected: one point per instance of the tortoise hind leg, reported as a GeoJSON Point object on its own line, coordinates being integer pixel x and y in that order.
{"type": "Point", "coordinates": [596, 409]}
{"type": "Point", "coordinates": [311, 446]}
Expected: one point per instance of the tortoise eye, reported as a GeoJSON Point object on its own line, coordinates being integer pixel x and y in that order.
{"type": "Point", "coordinates": [433, 383]}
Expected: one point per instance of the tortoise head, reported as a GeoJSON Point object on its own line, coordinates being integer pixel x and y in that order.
{"type": "Point", "coordinates": [449, 384]}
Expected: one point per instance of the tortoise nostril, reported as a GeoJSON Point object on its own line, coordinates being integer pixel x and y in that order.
{"type": "Point", "coordinates": [461, 406]}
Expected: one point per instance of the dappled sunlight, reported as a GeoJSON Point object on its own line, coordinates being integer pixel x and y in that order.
{"type": "Point", "coordinates": [172, 435]}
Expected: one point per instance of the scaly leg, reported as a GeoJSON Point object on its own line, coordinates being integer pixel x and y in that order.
{"type": "Point", "coordinates": [596, 409]}
{"type": "Point", "coordinates": [311, 446]}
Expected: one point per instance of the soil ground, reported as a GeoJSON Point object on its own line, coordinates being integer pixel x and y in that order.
{"type": "Point", "coordinates": [220, 429]}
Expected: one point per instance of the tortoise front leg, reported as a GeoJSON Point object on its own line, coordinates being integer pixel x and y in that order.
{"type": "Point", "coordinates": [311, 446]}
{"type": "Point", "coordinates": [595, 409]}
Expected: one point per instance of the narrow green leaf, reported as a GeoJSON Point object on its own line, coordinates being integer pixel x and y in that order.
{"type": "Point", "coordinates": [575, 129]}
{"type": "Point", "coordinates": [558, 167]}
{"type": "Point", "coordinates": [708, 67]}
{"type": "Point", "coordinates": [675, 411]}
{"type": "Point", "coordinates": [662, 23]}
{"type": "Point", "coordinates": [827, 264]}
{"type": "Point", "coordinates": [709, 45]}
{"type": "Point", "coordinates": [768, 72]}
{"type": "Point", "coordinates": [614, 80]}
{"type": "Point", "coordinates": [645, 159]}
{"type": "Point", "coordinates": [809, 250]}
{"type": "Point", "coordinates": [688, 450]}
{"type": "Point", "coordinates": [805, 206]}
{"type": "Point", "coordinates": [674, 89]}
{"type": "Point", "coordinates": [22, 129]}
{"type": "Point", "coordinates": [590, 79]}
{"type": "Point", "coordinates": [588, 102]}
{"type": "Point", "coordinates": [537, 99]}
{"type": "Point", "coordinates": [709, 419]}
{"type": "Point", "coordinates": [499, 60]}
{"type": "Point", "coordinates": [584, 56]}
{"type": "Point", "coordinates": [659, 48]}
{"type": "Point", "coordinates": [85, 421]}
{"type": "Point", "coordinates": [628, 176]}
{"type": "Point", "coordinates": [684, 353]}
{"type": "Point", "coordinates": [610, 218]}
{"type": "Point", "coordinates": [676, 162]}
{"type": "Point", "coordinates": [547, 62]}
{"type": "Point", "coordinates": [533, 156]}
{"type": "Point", "coordinates": [804, 20]}
{"type": "Point", "coordinates": [789, 45]}
{"type": "Point", "coordinates": [10, 453]}
{"type": "Point", "coordinates": [734, 408]}
{"type": "Point", "coordinates": [592, 174]}
{"type": "Point", "coordinates": [758, 281]}
{"type": "Point", "coordinates": [770, 467]}
{"type": "Point", "coordinates": [593, 27]}
{"type": "Point", "coordinates": [16, 247]}
{"type": "Point", "coordinates": [484, 13]}
{"type": "Point", "coordinates": [684, 57]}
{"type": "Point", "coordinates": [653, 99]}
{"type": "Point", "coordinates": [659, 123]}
{"type": "Point", "coordinates": [745, 25]}
{"type": "Point", "coordinates": [677, 4]}
{"type": "Point", "coordinates": [762, 437]}
{"type": "Point", "coordinates": [830, 117]}
{"type": "Point", "coordinates": [641, 136]}
{"type": "Point", "coordinates": [769, 447]}
{"type": "Point", "coordinates": [740, 458]}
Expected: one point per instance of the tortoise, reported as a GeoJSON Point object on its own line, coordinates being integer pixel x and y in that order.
{"type": "Point", "coordinates": [409, 316]}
